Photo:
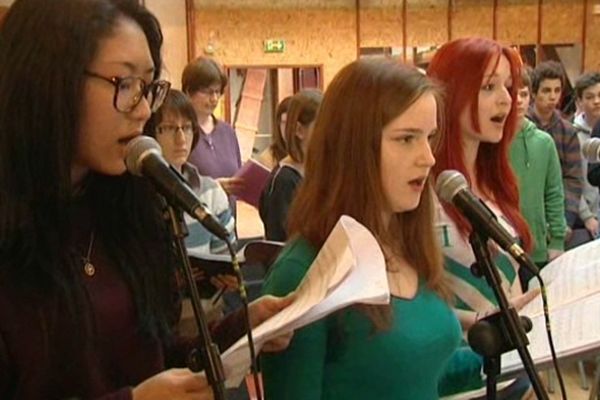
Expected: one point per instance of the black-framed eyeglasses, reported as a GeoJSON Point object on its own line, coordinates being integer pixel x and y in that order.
{"type": "Point", "coordinates": [208, 91]}
{"type": "Point", "coordinates": [188, 129]}
{"type": "Point", "coordinates": [130, 90]}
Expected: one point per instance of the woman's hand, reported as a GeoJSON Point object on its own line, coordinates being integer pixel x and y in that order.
{"type": "Point", "coordinates": [522, 300]}
{"type": "Point", "coordinates": [232, 185]}
{"type": "Point", "coordinates": [469, 318]}
{"type": "Point", "coordinates": [264, 308]}
{"type": "Point", "coordinates": [592, 226]}
{"type": "Point", "coordinates": [554, 254]}
{"type": "Point", "coordinates": [518, 302]}
{"type": "Point", "coordinates": [174, 384]}
{"type": "Point", "coordinates": [225, 282]}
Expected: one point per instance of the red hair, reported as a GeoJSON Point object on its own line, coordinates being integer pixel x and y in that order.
{"type": "Point", "coordinates": [460, 66]}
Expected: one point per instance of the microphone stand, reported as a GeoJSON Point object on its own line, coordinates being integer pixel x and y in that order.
{"type": "Point", "coordinates": [497, 334]}
{"type": "Point", "coordinates": [207, 354]}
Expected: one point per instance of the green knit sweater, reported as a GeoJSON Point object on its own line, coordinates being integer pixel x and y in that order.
{"type": "Point", "coordinates": [535, 161]}
{"type": "Point", "coordinates": [341, 357]}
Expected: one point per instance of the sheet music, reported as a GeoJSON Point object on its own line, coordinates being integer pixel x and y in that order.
{"type": "Point", "coordinates": [575, 329]}
{"type": "Point", "coordinates": [572, 276]}
{"type": "Point", "coordinates": [573, 286]}
{"type": "Point", "coordinates": [349, 268]}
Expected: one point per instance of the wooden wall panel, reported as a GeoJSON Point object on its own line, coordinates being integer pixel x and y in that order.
{"type": "Point", "coordinates": [313, 36]}
{"type": "Point", "coordinates": [3, 11]}
{"type": "Point", "coordinates": [282, 4]}
{"type": "Point", "coordinates": [592, 45]}
{"type": "Point", "coordinates": [517, 21]}
{"type": "Point", "coordinates": [426, 22]}
{"type": "Point", "coordinates": [561, 21]}
{"type": "Point", "coordinates": [472, 18]}
{"type": "Point", "coordinates": [381, 26]}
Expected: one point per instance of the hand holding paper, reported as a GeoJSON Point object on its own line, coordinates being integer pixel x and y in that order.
{"type": "Point", "coordinates": [349, 268]}
{"type": "Point", "coordinates": [254, 176]}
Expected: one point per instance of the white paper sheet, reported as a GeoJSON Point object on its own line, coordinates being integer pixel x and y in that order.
{"type": "Point", "coordinates": [573, 287]}
{"type": "Point", "coordinates": [571, 277]}
{"type": "Point", "coordinates": [349, 268]}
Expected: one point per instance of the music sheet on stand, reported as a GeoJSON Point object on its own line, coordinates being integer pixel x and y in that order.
{"type": "Point", "coordinates": [349, 268]}
{"type": "Point", "coordinates": [573, 289]}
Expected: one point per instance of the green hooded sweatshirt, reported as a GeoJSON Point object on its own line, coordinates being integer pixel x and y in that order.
{"type": "Point", "coordinates": [535, 161]}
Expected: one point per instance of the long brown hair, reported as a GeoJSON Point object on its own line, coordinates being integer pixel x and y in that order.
{"type": "Point", "coordinates": [277, 147]}
{"type": "Point", "coordinates": [302, 110]}
{"type": "Point", "coordinates": [343, 169]}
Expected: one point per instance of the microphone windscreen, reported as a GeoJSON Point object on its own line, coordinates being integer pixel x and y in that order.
{"type": "Point", "coordinates": [590, 149]}
{"type": "Point", "coordinates": [449, 183]}
{"type": "Point", "coordinates": [136, 151]}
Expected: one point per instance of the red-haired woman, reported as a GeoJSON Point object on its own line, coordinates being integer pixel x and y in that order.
{"type": "Point", "coordinates": [481, 80]}
{"type": "Point", "coordinates": [369, 157]}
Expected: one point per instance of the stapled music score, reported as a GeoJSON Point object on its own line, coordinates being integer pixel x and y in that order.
{"type": "Point", "coordinates": [349, 268]}
{"type": "Point", "coordinates": [573, 290]}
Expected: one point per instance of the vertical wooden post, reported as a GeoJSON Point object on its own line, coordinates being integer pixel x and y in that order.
{"type": "Point", "coordinates": [404, 31]}
{"type": "Point", "coordinates": [538, 44]}
{"type": "Point", "coordinates": [190, 27]}
{"type": "Point", "coordinates": [357, 7]}
{"type": "Point", "coordinates": [450, 7]}
{"type": "Point", "coordinates": [584, 34]}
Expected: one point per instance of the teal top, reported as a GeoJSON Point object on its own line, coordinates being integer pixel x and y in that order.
{"type": "Point", "coordinates": [340, 356]}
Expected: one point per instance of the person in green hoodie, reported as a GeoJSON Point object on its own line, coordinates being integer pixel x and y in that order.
{"type": "Point", "coordinates": [535, 161]}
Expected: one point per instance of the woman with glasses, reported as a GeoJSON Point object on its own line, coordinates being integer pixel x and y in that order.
{"type": "Point", "coordinates": [175, 128]}
{"type": "Point", "coordinates": [218, 152]}
{"type": "Point", "coordinates": [87, 271]}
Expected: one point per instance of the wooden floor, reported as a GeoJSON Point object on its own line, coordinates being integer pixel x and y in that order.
{"type": "Point", "coordinates": [572, 383]}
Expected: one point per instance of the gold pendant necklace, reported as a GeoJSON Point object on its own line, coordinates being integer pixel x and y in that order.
{"type": "Point", "coordinates": [88, 267]}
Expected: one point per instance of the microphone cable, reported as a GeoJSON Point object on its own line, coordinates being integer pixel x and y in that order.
{"type": "Point", "coordinates": [244, 297]}
{"type": "Point", "coordinates": [549, 335]}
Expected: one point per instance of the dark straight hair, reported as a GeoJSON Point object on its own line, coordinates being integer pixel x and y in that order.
{"type": "Point", "coordinates": [179, 104]}
{"type": "Point", "coordinates": [45, 47]}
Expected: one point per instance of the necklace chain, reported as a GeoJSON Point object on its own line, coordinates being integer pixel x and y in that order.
{"type": "Point", "coordinates": [88, 267]}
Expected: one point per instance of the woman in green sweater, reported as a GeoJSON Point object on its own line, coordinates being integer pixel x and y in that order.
{"type": "Point", "coordinates": [369, 157]}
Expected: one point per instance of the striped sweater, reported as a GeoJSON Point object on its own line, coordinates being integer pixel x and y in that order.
{"type": "Point", "coordinates": [569, 153]}
{"type": "Point", "coordinates": [473, 293]}
{"type": "Point", "coordinates": [215, 200]}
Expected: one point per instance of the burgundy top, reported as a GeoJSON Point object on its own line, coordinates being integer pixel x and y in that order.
{"type": "Point", "coordinates": [115, 358]}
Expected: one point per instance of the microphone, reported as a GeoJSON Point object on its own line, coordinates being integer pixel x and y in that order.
{"type": "Point", "coordinates": [591, 150]}
{"type": "Point", "coordinates": [582, 128]}
{"type": "Point", "coordinates": [451, 186]}
{"type": "Point", "coordinates": [143, 157]}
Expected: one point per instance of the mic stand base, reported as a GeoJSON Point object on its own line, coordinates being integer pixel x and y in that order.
{"type": "Point", "coordinates": [491, 368]}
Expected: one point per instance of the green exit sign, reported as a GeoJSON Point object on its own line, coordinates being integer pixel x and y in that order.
{"type": "Point", "coordinates": [274, 46]}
